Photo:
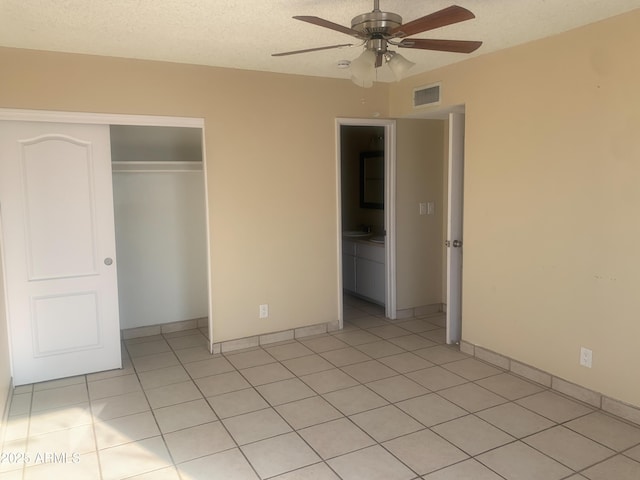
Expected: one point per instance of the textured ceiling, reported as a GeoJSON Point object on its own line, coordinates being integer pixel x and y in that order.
{"type": "Point", "coordinates": [244, 33]}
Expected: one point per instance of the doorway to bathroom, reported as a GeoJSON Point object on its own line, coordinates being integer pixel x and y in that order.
{"type": "Point", "coordinates": [366, 218]}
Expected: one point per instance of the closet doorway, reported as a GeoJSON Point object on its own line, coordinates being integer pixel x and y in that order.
{"type": "Point", "coordinates": [160, 222]}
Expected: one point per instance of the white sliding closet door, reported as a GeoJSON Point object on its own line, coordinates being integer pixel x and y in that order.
{"type": "Point", "coordinates": [59, 246]}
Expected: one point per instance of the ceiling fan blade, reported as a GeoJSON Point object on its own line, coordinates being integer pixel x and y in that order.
{"type": "Point", "coordinates": [321, 22]}
{"type": "Point", "coordinates": [458, 46]}
{"type": "Point", "coordinates": [441, 18]}
{"type": "Point", "coordinates": [306, 50]}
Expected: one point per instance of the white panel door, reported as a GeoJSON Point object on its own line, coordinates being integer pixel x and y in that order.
{"type": "Point", "coordinates": [454, 227]}
{"type": "Point", "coordinates": [59, 246]}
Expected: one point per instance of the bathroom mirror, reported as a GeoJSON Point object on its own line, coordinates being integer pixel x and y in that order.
{"type": "Point", "coordinates": [372, 179]}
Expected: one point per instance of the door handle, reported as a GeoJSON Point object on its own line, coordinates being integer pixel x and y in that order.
{"type": "Point", "coordinates": [457, 243]}
{"type": "Point", "coordinates": [108, 261]}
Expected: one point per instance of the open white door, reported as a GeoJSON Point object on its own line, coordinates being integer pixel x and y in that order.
{"type": "Point", "coordinates": [59, 247]}
{"type": "Point", "coordinates": [454, 227]}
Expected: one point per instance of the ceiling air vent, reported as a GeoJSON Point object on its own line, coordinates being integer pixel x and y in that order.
{"type": "Point", "coordinates": [424, 96]}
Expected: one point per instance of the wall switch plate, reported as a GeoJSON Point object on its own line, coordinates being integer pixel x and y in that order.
{"type": "Point", "coordinates": [264, 310]}
{"type": "Point", "coordinates": [586, 357]}
{"type": "Point", "coordinates": [422, 207]}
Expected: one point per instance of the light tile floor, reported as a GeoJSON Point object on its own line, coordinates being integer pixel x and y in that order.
{"type": "Point", "coordinates": [377, 400]}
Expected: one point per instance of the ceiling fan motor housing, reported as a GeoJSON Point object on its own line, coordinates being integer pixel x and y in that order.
{"type": "Point", "coordinates": [375, 27]}
{"type": "Point", "coordinates": [376, 23]}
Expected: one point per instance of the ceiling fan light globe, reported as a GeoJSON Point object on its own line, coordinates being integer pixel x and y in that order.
{"type": "Point", "coordinates": [364, 63]}
{"type": "Point", "coordinates": [399, 66]}
{"type": "Point", "coordinates": [363, 69]}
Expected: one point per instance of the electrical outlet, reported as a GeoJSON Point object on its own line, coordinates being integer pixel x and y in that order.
{"type": "Point", "coordinates": [264, 310]}
{"type": "Point", "coordinates": [586, 357]}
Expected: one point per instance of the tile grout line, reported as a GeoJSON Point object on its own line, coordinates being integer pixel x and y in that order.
{"type": "Point", "coordinates": [151, 410]}
{"type": "Point", "coordinates": [272, 407]}
{"type": "Point", "coordinates": [93, 429]}
{"type": "Point", "coordinates": [318, 394]}
{"type": "Point", "coordinates": [237, 446]}
{"type": "Point", "coordinates": [468, 381]}
{"type": "Point", "coordinates": [556, 424]}
{"type": "Point", "coordinates": [469, 413]}
{"type": "Point", "coordinates": [349, 417]}
{"type": "Point", "coordinates": [425, 427]}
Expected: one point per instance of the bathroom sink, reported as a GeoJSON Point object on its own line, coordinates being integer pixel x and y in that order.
{"type": "Point", "coordinates": [379, 239]}
{"type": "Point", "coordinates": [355, 233]}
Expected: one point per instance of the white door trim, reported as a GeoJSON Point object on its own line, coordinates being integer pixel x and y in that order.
{"type": "Point", "coordinates": [389, 210]}
{"type": "Point", "coordinates": [27, 115]}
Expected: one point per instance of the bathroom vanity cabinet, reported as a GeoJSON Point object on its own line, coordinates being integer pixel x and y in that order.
{"type": "Point", "coordinates": [363, 269]}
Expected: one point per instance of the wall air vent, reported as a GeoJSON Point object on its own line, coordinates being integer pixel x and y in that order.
{"type": "Point", "coordinates": [425, 96]}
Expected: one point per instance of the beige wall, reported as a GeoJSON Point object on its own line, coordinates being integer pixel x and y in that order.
{"type": "Point", "coordinates": [270, 159]}
{"type": "Point", "coordinates": [419, 166]}
{"type": "Point", "coordinates": [552, 175]}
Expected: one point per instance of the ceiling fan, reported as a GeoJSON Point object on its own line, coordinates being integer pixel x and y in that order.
{"type": "Point", "coordinates": [378, 30]}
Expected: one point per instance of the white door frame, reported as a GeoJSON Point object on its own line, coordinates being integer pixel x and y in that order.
{"type": "Point", "coordinates": [22, 115]}
{"type": "Point", "coordinates": [389, 209]}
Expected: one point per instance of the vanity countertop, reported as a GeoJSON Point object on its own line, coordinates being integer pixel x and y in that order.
{"type": "Point", "coordinates": [369, 239]}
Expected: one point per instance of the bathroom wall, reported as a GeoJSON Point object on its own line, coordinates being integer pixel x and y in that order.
{"type": "Point", "coordinates": [159, 203]}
